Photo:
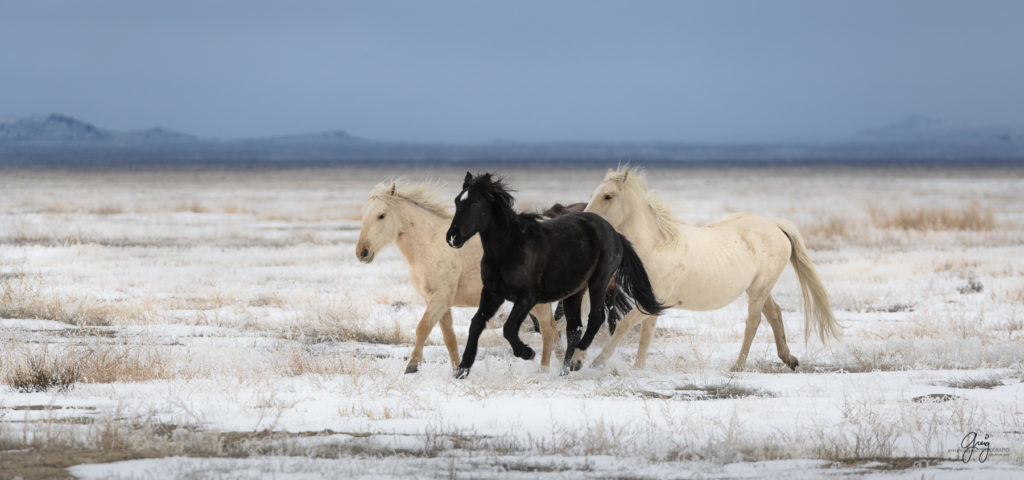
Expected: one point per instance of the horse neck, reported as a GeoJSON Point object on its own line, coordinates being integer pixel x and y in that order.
{"type": "Point", "coordinates": [420, 235]}
{"type": "Point", "coordinates": [503, 232]}
{"type": "Point", "coordinates": [641, 228]}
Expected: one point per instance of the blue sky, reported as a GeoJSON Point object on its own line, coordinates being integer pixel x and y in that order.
{"type": "Point", "coordinates": [475, 71]}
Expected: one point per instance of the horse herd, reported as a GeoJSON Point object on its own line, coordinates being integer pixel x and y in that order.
{"type": "Point", "coordinates": [625, 251]}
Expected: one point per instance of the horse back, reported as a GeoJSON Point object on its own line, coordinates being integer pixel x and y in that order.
{"type": "Point", "coordinates": [568, 249]}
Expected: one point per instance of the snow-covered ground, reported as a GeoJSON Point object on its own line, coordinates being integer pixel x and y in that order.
{"type": "Point", "coordinates": [217, 323]}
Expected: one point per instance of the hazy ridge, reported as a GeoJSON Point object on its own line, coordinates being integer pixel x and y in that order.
{"type": "Point", "coordinates": [57, 139]}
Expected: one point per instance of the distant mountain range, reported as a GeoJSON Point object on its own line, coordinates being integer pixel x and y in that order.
{"type": "Point", "coordinates": [58, 129]}
{"type": "Point", "coordinates": [61, 139]}
{"type": "Point", "coordinates": [918, 128]}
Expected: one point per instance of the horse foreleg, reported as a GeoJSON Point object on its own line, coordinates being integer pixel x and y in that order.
{"type": "Point", "coordinates": [773, 314]}
{"type": "Point", "coordinates": [625, 325]}
{"type": "Point", "coordinates": [515, 320]}
{"type": "Point", "coordinates": [489, 303]}
{"type": "Point", "coordinates": [436, 309]}
{"type": "Point", "coordinates": [548, 332]}
{"type": "Point", "coordinates": [754, 306]}
{"type": "Point", "coordinates": [646, 333]}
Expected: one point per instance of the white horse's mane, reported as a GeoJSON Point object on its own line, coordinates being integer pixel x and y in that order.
{"type": "Point", "coordinates": [421, 195]}
{"type": "Point", "coordinates": [636, 178]}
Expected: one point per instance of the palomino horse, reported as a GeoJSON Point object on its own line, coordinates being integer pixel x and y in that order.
{"type": "Point", "coordinates": [528, 259]}
{"type": "Point", "coordinates": [706, 268]}
{"type": "Point", "coordinates": [415, 222]}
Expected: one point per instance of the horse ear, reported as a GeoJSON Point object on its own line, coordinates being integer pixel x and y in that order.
{"type": "Point", "coordinates": [467, 181]}
{"type": "Point", "coordinates": [393, 186]}
{"type": "Point", "coordinates": [609, 172]}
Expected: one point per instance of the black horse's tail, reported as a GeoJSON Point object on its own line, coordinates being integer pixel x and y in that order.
{"type": "Point", "coordinates": [632, 286]}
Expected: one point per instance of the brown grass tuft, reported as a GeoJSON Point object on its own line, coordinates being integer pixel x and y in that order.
{"type": "Point", "coordinates": [975, 382]}
{"type": "Point", "coordinates": [41, 371]}
{"type": "Point", "coordinates": [971, 217]}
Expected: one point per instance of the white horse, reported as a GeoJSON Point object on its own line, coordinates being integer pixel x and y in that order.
{"type": "Point", "coordinates": [413, 220]}
{"type": "Point", "coordinates": [706, 268]}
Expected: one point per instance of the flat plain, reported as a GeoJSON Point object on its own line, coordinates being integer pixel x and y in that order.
{"type": "Point", "coordinates": [210, 322]}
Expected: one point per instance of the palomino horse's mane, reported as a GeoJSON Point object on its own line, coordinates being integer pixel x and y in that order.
{"type": "Point", "coordinates": [636, 178]}
{"type": "Point", "coordinates": [421, 195]}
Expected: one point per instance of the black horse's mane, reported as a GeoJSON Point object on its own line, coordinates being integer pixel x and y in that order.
{"type": "Point", "coordinates": [494, 188]}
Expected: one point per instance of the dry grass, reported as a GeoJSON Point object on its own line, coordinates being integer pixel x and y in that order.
{"type": "Point", "coordinates": [296, 360]}
{"type": "Point", "coordinates": [24, 296]}
{"type": "Point", "coordinates": [339, 322]}
{"type": "Point", "coordinates": [975, 382]}
{"type": "Point", "coordinates": [971, 217]}
{"type": "Point", "coordinates": [830, 229]}
{"type": "Point", "coordinates": [42, 371]}
{"type": "Point", "coordinates": [973, 285]}
{"type": "Point", "coordinates": [31, 370]}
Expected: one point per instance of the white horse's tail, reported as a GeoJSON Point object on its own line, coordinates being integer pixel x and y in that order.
{"type": "Point", "coordinates": [817, 309]}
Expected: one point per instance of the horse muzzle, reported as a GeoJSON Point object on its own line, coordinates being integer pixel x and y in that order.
{"type": "Point", "coordinates": [364, 255]}
{"type": "Point", "coordinates": [454, 241]}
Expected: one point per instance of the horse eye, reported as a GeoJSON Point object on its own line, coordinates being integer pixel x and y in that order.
{"type": "Point", "coordinates": [607, 196]}
{"type": "Point", "coordinates": [380, 217]}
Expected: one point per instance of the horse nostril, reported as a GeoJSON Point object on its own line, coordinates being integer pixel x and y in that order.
{"type": "Point", "coordinates": [364, 253]}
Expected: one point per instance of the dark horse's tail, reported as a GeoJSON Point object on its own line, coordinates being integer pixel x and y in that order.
{"type": "Point", "coordinates": [632, 286]}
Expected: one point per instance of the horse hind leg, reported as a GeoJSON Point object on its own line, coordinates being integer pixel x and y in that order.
{"type": "Point", "coordinates": [594, 321]}
{"type": "Point", "coordinates": [573, 327]}
{"type": "Point", "coordinates": [773, 314]}
{"type": "Point", "coordinates": [548, 331]}
{"type": "Point", "coordinates": [450, 341]}
{"type": "Point", "coordinates": [755, 303]}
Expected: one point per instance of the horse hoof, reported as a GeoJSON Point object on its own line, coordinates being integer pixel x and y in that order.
{"type": "Point", "coordinates": [412, 368]}
{"type": "Point", "coordinates": [736, 368]}
{"type": "Point", "coordinates": [794, 364]}
{"type": "Point", "coordinates": [576, 365]}
{"type": "Point", "coordinates": [527, 354]}
{"type": "Point", "coordinates": [565, 370]}
{"type": "Point", "coordinates": [597, 363]}
{"type": "Point", "coordinates": [461, 373]}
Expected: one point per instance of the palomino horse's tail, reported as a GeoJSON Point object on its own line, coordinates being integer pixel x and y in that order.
{"type": "Point", "coordinates": [631, 281]}
{"type": "Point", "coordinates": [817, 309]}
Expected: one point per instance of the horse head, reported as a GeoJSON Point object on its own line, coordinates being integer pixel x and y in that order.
{"type": "Point", "coordinates": [482, 197]}
{"type": "Point", "coordinates": [613, 199]}
{"type": "Point", "coordinates": [380, 222]}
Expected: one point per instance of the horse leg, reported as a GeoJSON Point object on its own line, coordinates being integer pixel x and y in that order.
{"type": "Point", "coordinates": [435, 310]}
{"type": "Point", "coordinates": [625, 325]}
{"type": "Point", "coordinates": [449, 337]}
{"type": "Point", "coordinates": [573, 326]}
{"type": "Point", "coordinates": [548, 332]}
{"type": "Point", "coordinates": [773, 314]}
{"type": "Point", "coordinates": [489, 303]}
{"type": "Point", "coordinates": [594, 321]}
{"type": "Point", "coordinates": [515, 320]}
{"type": "Point", "coordinates": [754, 305]}
{"type": "Point", "coordinates": [646, 333]}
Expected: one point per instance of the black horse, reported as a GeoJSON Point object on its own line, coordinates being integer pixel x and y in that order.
{"type": "Point", "coordinates": [614, 314]}
{"type": "Point", "coordinates": [529, 260]}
